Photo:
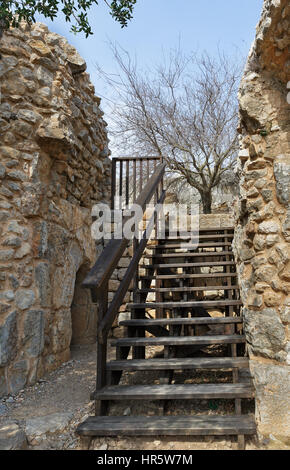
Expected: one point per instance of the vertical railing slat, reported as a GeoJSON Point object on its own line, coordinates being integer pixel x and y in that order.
{"type": "Point", "coordinates": [113, 183]}
{"type": "Point", "coordinates": [148, 170]}
{"type": "Point", "coordinates": [127, 183]}
{"type": "Point", "coordinates": [134, 181]}
{"type": "Point", "coordinates": [120, 183]}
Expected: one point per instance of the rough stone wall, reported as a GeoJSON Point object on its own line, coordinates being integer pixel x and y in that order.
{"type": "Point", "coordinates": [263, 217]}
{"type": "Point", "coordinates": [54, 166]}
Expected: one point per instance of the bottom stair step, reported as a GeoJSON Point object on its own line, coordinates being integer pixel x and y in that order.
{"type": "Point", "coordinates": [167, 425]}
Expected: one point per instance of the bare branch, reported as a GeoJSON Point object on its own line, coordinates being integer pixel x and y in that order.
{"type": "Point", "coordinates": [185, 109]}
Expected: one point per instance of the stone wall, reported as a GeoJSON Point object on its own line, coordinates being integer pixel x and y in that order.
{"type": "Point", "coordinates": [54, 166]}
{"type": "Point", "coordinates": [263, 217]}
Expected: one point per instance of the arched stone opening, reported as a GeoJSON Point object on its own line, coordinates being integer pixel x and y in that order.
{"type": "Point", "coordinates": [83, 312]}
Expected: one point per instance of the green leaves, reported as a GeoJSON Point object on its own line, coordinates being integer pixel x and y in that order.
{"type": "Point", "coordinates": [74, 11]}
{"type": "Point", "coordinates": [122, 11]}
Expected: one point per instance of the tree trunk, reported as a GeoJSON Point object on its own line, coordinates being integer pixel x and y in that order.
{"type": "Point", "coordinates": [206, 199]}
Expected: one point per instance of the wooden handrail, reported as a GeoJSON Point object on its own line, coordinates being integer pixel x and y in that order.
{"type": "Point", "coordinates": [108, 320]}
{"type": "Point", "coordinates": [101, 272]}
{"type": "Point", "coordinates": [98, 278]}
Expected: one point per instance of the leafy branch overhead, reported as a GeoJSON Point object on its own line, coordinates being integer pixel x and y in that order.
{"type": "Point", "coordinates": [74, 11]}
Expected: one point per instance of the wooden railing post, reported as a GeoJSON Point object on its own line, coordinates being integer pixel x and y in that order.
{"type": "Point", "coordinates": [137, 352]}
{"type": "Point", "coordinates": [102, 301]}
{"type": "Point", "coordinates": [158, 282]}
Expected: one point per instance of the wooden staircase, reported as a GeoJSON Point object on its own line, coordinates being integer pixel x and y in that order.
{"type": "Point", "coordinates": [186, 306]}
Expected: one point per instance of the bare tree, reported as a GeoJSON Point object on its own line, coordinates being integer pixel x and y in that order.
{"type": "Point", "coordinates": [184, 109]}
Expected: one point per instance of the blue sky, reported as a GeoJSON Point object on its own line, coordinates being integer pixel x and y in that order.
{"type": "Point", "coordinates": [157, 27]}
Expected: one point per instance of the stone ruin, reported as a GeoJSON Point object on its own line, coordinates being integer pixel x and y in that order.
{"type": "Point", "coordinates": [54, 166]}
{"type": "Point", "coordinates": [262, 232]}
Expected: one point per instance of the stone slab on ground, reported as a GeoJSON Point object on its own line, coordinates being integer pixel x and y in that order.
{"type": "Point", "coordinates": [37, 428]}
{"type": "Point", "coordinates": [12, 437]}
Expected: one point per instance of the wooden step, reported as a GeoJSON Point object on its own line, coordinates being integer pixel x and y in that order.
{"type": "Point", "coordinates": [206, 235]}
{"type": "Point", "coordinates": [190, 276]}
{"type": "Point", "coordinates": [187, 265]}
{"type": "Point", "coordinates": [182, 321]}
{"type": "Point", "coordinates": [170, 246]}
{"type": "Point", "coordinates": [187, 289]}
{"type": "Point", "coordinates": [210, 229]}
{"type": "Point", "coordinates": [190, 363]}
{"type": "Point", "coordinates": [201, 231]}
{"type": "Point", "coordinates": [199, 425]}
{"type": "Point", "coordinates": [217, 236]}
{"type": "Point", "coordinates": [186, 254]}
{"type": "Point", "coordinates": [179, 340]}
{"type": "Point", "coordinates": [174, 392]}
{"type": "Point", "coordinates": [181, 304]}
